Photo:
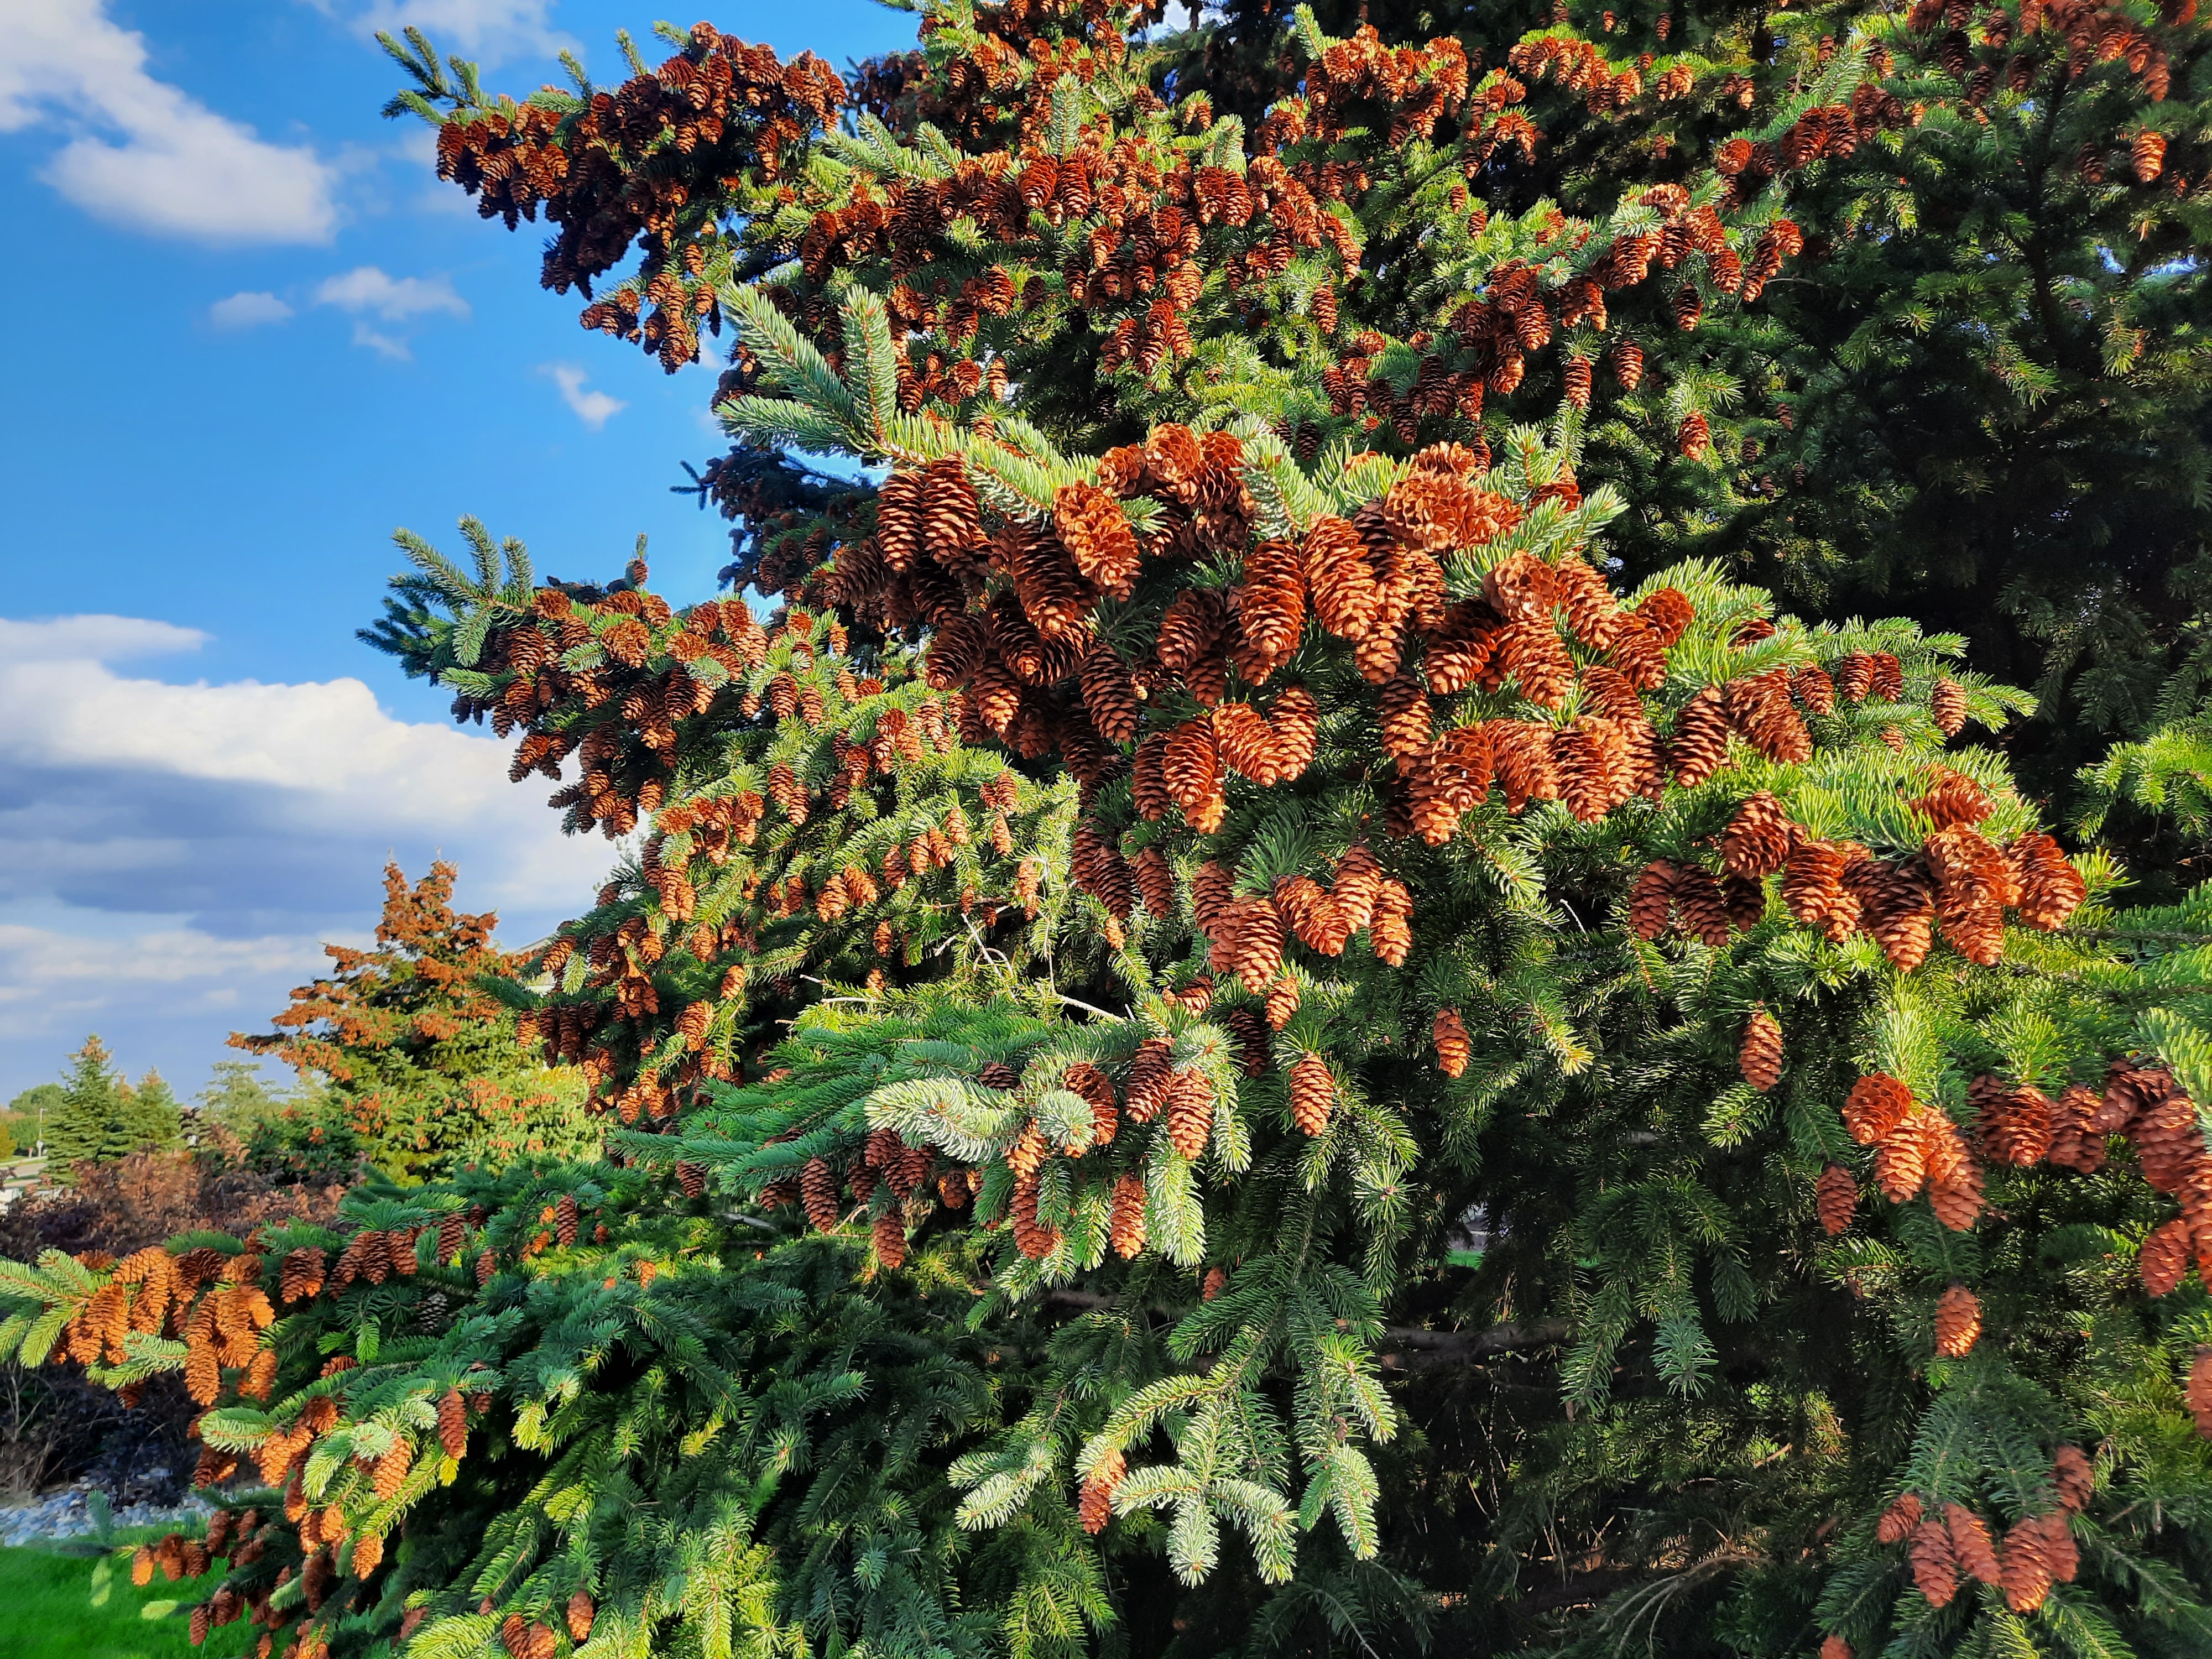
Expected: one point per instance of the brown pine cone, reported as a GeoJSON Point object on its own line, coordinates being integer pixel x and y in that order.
{"type": "Point", "coordinates": [1814, 689]}
{"type": "Point", "coordinates": [1835, 1196]}
{"type": "Point", "coordinates": [1758, 839]}
{"type": "Point", "coordinates": [888, 1233]}
{"type": "Point", "coordinates": [1970, 1542]}
{"type": "Point", "coordinates": [1189, 1112]}
{"type": "Point", "coordinates": [2076, 1477]}
{"type": "Point", "coordinates": [1651, 901]}
{"type": "Point", "coordinates": [1935, 1567]}
{"type": "Point", "coordinates": [1391, 928]}
{"type": "Point", "coordinates": [1454, 1049]}
{"type": "Point", "coordinates": [581, 1613]}
{"type": "Point", "coordinates": [1358, 878]}
{"type": "Point", "coordinates": [2165, 1256]}
{"type": "Point", "coordinates": [454, 1424]}
{"type": "Point", "coordinates": [1701, 909]}
{"type": "Point", "coordinates": [2198, 1394]}
{"type": "Point", "coordinates": [1700, 741]}
{"type": "Point", "coordinates": [1313, 1094]}
{"type": "Point", "coordinates": [1145, 1089]}
{"type": "Point", "coordinates": [1125, 1229]}
{"type": "Point", "coordinates": [1876, 1104]}
{"type": "Point", "coordinates": [2024, 1567]}
{"type": "Point", "coordinates": [1898, 1520]}
{"type": "Point", "coordinates": [817, 1195]}
{"type": "Point", "coordinates": [1948, 704]}
{"type": "Point", "coordinates": [1901, 1161]}
{"type": "Point", "coordinates": [1958, 1322]}
{"type": "Point", "coordinates": [1760, 1055]}
{"type": "Point", "coordinates": [1282, 1002]}
{"type": "Point", "coordinates": [1957, 1198]}
{"type": "Point", "coordinates": [1095, 1503]}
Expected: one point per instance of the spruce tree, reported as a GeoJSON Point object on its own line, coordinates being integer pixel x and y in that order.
{"type": "Point", "coordinates": [420, 1057]}
{"type": "Point", "coordinates": [102, 1118]}
{"type": "Point", "coordinates": [1213, 823]}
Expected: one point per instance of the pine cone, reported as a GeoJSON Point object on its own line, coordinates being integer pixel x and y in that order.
{"type": "Point", "coordinates": [1935, 1568]}
{"type": "Point", "coordinates": [1957, 1198]}
{"type": "Point", "coordinates": [1407, 721]}
{"type": "Point", "coordinates": [1282, 1002]}
{"type": "Point", "coordinates": [1901, 1161]}
{"type": "Point", "coordinates": [2024, 1567]}
{"type": "Point", "coordinates": [1813, 888]}
{"type": "Point", "coordinates": [1358, 879]}
{"type": "Point", "coordinates": [2076, 1478]}
{"type": "Point", "coordinates": [1189, 1112]}
{"type": "Point", "coordinates": [1454, 1049]}
{"type": "Point", "coordinates": [888, 1233]}
{"type": "Point", "coordinates": [1758, 839]}
{"type": "Point", "coordinates": [581, 1614]}
{"type": "Point", "coordinates": [1814, 689]}
{"type": "Point", "coordinates": [1593, 760]}
{"type": "Point", "coordinates": [1948, 704]}
{"type": "Point", "coordinates": [1125, 1229]}
{"type": "Point", "coordinates": [368, 1556]}
{"type": "Point", "coordinates": [1144, 1089]}
{"type": "Point", "coordinates": [1958, 1322]}
{"type": "Point", "coordinates": [1835, 1196]}
{"type": "Point", "coordinates": [2198, 1396]}
{"type": "Point", "coordinates": [2075, 1144]}
{"type": "Point", "coordinates": [1700, 745]}
{"type": "Point", "coordinates": [2050, 888]}
{"type": "Point", "coordinates": [454, 1424]}
{"type": "Point", "coordinates": [1316, 919]}
{"type": "Point", "coordinates": [1760, 1055]}
{"type": "Point", "coordinates": [817, 1195]}
{"type": "Point", "coordinates": [2166, 1255]}
{"type": "Point", "coordinates": [1898, 1520]}
{"type": "Point", "coordinates": [1628, 364]}
{"type": "Point", "coordinates": [1095, 1504]}
{"type": "Point", "coordinates": [1392, 925]}
{"type": "Point", "coordinates": [1313, 1094]}
{"type": "Point", "coordinates": [1651, 901]}
{"type": "Point", "coordinates": [1970, 1543]}
{"type": "Point", "coordinates": [1700, 907]}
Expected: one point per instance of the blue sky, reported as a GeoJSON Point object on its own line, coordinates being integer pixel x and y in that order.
{"type": "Point", "coordinates": [250, 335]}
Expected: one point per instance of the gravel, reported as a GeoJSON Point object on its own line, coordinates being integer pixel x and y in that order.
{"type": "Point", "coordinates": [67, 1513]}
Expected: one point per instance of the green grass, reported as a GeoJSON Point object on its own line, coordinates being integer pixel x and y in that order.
{"type": "Point", "coordinates": [52, 1607]}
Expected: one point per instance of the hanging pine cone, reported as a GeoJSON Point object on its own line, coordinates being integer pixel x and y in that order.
{"type": "Point", "coordinates": [1095, 1504]}
{"type": "Point", "coordinates": [1835, 1196]}
{"type": "Point", "coordinates": [1698, 905]}
{"type": "Point", "coordinates": [1125, 1229]}
{"type": "Point", "coordinates": [1958, 1322]}
{"type": "Point", "coordinates": [1813, 690]}
{"type": "Point", "coordinates": [2025, 1565]}
{"type": "Point", "coordinates": [1970, 1543]}
{"type": "Point", "coordinates": [1282, 1002]}
{"type": "Point", "coordinates": [1628, 364]}
{"type": "Point", "coordinates": [1651, 901]}
{"type": "Point", "coordinates": [888, 1234]}
{"type": "Point", "coordinates": [2198, 1394]}
{"type": "Point", "coordinates": [1575, 378]}
{"type": "Point", "coordinates": [1948, 704]}
{"type": "Point", "coordinates": [581, 1615]}
{"type": "Point", "coordinates": [1760, 1055]}
{"type": "Point", "coordinates": [1935, 1568]}
{"type": "Point", "coordinates": [1189, 1112]}
{"type": "Point", "coordinates": [1143, 1090]}
{"type": "Point", "coordinates": [1700, 745]}
{"type": "Point", "coordinates": [1898, 1520]}
{"type": "Point", "coordinates": [2148, 153]}
{"type": "Point", "coordinates": [1956, 1198]}
{"type": "Point", "coordinates": [1454, 1049]}
{"type": "Point", "coordinates": [1757, 841]}
{"type": "Point", "coordinates": [2165, 1257]}
{"type": "Point", "coordinates": [1313, 1094]}
{"type": "Point", "coordinates": [1693, 437]}
{"type": "Point", "coordinates": [817, 1195]}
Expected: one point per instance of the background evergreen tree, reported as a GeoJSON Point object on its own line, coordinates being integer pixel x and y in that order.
{"type": "Point", "coordinates": [405, 1059]}
{"type": "Point", "coordinates": [101, 1117]}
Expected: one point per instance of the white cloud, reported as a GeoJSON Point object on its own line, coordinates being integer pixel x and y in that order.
{"type": "Point", "coordinates": [94, 638]}
{"type": "Point", "coordinates": [384, 344]}
{"type": "Point", "coordinates": [488, 30]}
{"type": "Point", "coordinates": [171, 855]}
{"type": "Point", "coordinates": [594, 409]}
{"type": "Point", "coordinates": [144, 154]}
{"type": "Point", "coordinates": [395, 298]}
{"type": "Point", "coordinates": [248, 310]}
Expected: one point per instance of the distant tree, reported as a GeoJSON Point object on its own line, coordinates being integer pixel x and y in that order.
{"type": "Point", "coordinates": [101, 1117]}
{"type": "Point", "coordinates": [28, 1112]}
{"type": "Point", "coordinates": [422, 1065]}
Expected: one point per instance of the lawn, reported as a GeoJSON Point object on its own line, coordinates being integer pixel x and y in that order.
{"type": "Point", "coordinates": [47, 1609]}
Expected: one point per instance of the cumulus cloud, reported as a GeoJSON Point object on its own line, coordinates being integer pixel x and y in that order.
{"type": "Point", "coordinates": [248, 310]}
{"type": "Point", "coordinates": [171, 855]}
{"type": "Point", "coordinates": [594, 409]}
{"type": "Point", "coordinates": [366, 290]}
{"type": "Point", "coordinates": [144, 154]}
{"type": "Point", "coordinates": [488, 30]}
